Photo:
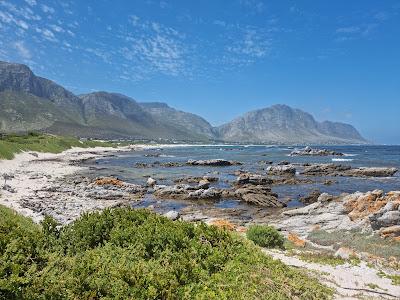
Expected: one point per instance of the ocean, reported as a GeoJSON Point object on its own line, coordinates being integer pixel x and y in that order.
{"type": "Point", "coordinates": [124, 167]}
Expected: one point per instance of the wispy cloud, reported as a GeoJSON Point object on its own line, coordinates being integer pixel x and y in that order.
{"type": "Point", "coordinates": [22, 50]}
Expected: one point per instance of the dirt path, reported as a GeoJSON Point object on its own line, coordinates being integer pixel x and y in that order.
{"type": "Point", "coordinates": [349, 281]}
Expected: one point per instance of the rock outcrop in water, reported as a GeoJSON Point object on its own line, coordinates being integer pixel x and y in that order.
{"type": "Point", "coordinates": [344, 170]}
{"type": "Point", "coordinates": [308, 151]}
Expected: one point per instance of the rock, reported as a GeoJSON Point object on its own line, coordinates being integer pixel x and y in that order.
{"type": "Point", "coordinates": [109, 181]}
{"type": "Point", "coordinates": [308, 151]}
{"type": "Point", "coordinates": [285, 170]}
{"type": "Point", "coordinates": [311, 197]}
{"type": "Point", "coordinates": [212, 162]}
{"type": "Point", "coordinates": [196, 179]}
{"type": "Point", "coordinates": [204, 184]}
{"type": "Point", "coordinates": [295, 239]}
{"type": "Point", "coordinates": [204, 194]}
{"type": "Point", "coordinates": [371, 172]}
{"type": "Point", "coordinates": [346, 253]}
{"type": "Point", "coordinates": [325, 169]}
{"type": "Point", "coordinates": [283, 163]}
{"type": "Point", "coordinates": [344, 170]}
{"type": "Point", "coordinates": [186, 192]}
{"type": "Point", "coordinates": [391, 231]}
{"type": "Point", "coordinates": [259, 195]}
{"type": "Point", "coordinates": [151, 182]}
{"type": "Point", "coordinates": [224, 224]}
{"type": "Point", "coordinates": [253, 179]}
{"type": "Point", "coordinates": [8, 188]}
{"type": "Point", "coordinates": [172, 215]}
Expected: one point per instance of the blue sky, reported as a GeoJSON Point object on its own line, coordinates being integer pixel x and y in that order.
{"type": "Point", "coordinates": [339, 60]}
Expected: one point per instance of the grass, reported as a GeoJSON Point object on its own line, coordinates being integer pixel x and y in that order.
{"type": "Point", "coordinates": [321, 258]}
{"type": "Point", "coordinates": [135, 254]}
{"type": "Point", "coordinates": [360, 242]}
{"type": "Point", "coordinates": [13, 144]}
{"type": "Point", "coordinates": [394, 278]}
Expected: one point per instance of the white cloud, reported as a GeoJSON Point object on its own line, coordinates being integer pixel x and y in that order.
{"type": "Point", "coordinates": [22, 50]}
{"type": "Point", "coordinates": [350, 29]}
{"type": "Point", "coordinates": [31, 2]}
{"type": "Point", "coordinates": [253, 44]}
{"type": "Point", "coordinates": [47, 9]}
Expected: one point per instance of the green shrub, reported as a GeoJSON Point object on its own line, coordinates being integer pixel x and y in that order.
{"type": "Point", "coordinates": [136, 254]}
{"type": "Point", "coordinates": [265, 236]}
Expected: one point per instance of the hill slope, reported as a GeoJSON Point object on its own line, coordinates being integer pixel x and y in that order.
{"type": "Point", "coordinates": [29, 102]}
{"type": "Point", "coordinates": [284, 125]}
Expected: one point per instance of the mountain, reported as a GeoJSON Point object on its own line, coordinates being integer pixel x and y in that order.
{"type": "Point", "coordinates": [177, 118]}
{"type": "Point", "coordinates": [281, 124]}
{"type": "Point", "coordinates": [29, 102]}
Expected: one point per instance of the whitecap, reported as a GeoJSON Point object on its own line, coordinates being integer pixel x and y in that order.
{"type": "Point", "coordinates": [342, 159]}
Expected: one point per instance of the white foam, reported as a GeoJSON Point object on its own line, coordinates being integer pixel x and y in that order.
{"type": "Point", "coordinates": [342, 159]}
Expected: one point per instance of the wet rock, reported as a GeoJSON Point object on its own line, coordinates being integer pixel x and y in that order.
{"type": "Point", "coordinates": [172, 215]}
{"type": "Point", "coordinates": [141, 165]}
{"type": "Point", "coordinates": [371, 172]}
{"type": "Point", "coordinates": [196, 179]}
{"type": "Point", "coordinates": [212, 162]}
{"type": "Point", "coordinates": [265, 162]}
{"type": "Point", "coordinates": [253, 179]}
{"type": "Point", "coordinates": [282, 170]}
{"type": "Point", "coordinates": [259, 195]}
{"type": "Point", "coordinates": [325, 169]}
{"type": "Point", "coordinates": [283, 163]}
{"type": "Point", "coordinates": [311, 197]}
{"type": "Point", "coordinates": [344, 170]}
{"type": "Point", "coordinates": [308, 151]}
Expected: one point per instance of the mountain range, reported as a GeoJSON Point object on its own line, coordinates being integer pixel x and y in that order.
{"type": "Point", "coordinates": [29, 102]}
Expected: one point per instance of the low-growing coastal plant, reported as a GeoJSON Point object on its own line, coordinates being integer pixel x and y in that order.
{"type": "Point", "coordinates": [12, 144]}
{"type": "Point", "coordinates": [265, 236]}
{"type": "Point", "coordinates": [135, 254]}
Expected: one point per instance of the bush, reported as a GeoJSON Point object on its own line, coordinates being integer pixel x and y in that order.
{"type": "Point", "coordinates": [135, 254]}
{"type": "Point", "coordinates": [265, 236]}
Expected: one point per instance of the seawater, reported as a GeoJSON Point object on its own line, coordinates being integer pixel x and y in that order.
{"type": "Point", "coordinates": [123, 167]}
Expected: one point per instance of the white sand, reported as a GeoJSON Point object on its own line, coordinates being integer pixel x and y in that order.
{"type": "Point", "coordinates": [33, 171]}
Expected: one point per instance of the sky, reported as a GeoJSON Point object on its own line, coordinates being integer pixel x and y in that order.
{"type": "Point", "coordinates": [338, 60]}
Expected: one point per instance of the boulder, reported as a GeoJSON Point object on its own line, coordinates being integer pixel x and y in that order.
{"type": "Point", "coordinates": [172, 215]}
{"type": "Point", "coordinates": [285, 170]}
{"type": "Point", "coordinates": [346, 253]}
{"type": "Point", "coordinates": [204, 184]}
{"type": "Point", "coordinates": [212, 162]}
{"type": "Point", "coordinates": [259, 195]}
{"type": "Point", "coordinates": [311, 197]}
{"type": "Point", "coordinates": [253, 179]}
{"type": "Point", "coordinates": [151, 182]}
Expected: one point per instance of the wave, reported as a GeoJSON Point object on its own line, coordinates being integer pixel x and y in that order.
{"type": "Point", "coordinates": [164, 155]}
{"type": "Point", "coordinates": [348, 154]}
{"type": "Point", "coordinates": [342, 159]}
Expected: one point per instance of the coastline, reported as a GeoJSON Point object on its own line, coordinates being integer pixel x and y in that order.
{"type": "Point", "coordinates": [33, 172]}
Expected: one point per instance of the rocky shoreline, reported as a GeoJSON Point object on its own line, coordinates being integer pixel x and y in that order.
{"type": "Point", "coordinates": [37, 184]}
